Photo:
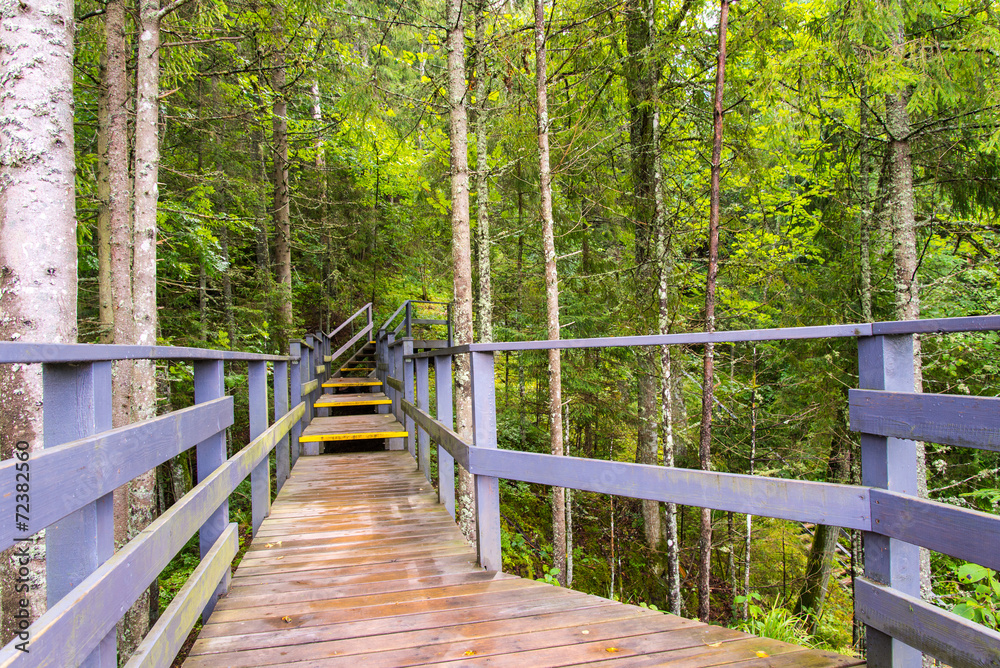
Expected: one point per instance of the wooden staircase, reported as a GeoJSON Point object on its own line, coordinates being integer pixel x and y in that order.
{"type": "Point", "coordinates": [353, 412]}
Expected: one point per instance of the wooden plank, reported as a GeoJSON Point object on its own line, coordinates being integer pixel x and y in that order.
{"type": "Point", "coordinates": [394, 383]}
{"type": "Point", "coordinates": [162, 643]}
{"type": "Point", "coordinates": [606, 621]}
{"type": "Point", "coordinates": [337, 402]}
{"type": "Point", "coordinates": [352, 382]}
{"type": "Point", "coordinates": [967, 534]}
{"type": "Point", "coordinates": [347, 322]}
{"type": "Point", "coordinates": [311, 386]}
{"type": "Point", "coordinates": [260, 477]}
{"type": "Point", "coordinates": [971, 422]}
{"type": "Point", "coordinates": [66, 633]}
{"type": "Point", "coordinates": [267, 622]}
{"type": "Point", "coordinates": [804, 501]}
{"type": "Point", "coordinates": [391, 629]}
{"type": "Point", "coordinates": [79, 472]}
{"type": "Point", "coordinates": [352, 427]}
{"type": "Point", "coordinates": [320, 369]}
{"type": "Point", "coordinates": [279, 596]}
{"type": "Point", "coordinates": [347, 346]}
{"type": "Point", "coordinates": [942, 634]}
{"type": "Point", "coordinates": [282, 459]}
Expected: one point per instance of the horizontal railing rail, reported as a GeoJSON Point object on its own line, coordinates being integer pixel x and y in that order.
{"type": "Point", "coordinates": [885, 507]}
{"type": "Point", "coordinates": [366, 309]}
{"type": "Point", "coordinates": [77, 353]}
{"type": "Point", "coordinates": [935, 326]}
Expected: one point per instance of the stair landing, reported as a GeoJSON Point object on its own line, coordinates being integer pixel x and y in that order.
{"type": "Point", "coordinates": [358, 565]}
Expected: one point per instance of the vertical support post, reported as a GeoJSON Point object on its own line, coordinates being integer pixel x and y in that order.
{"type": "Point", "coordinates": [407, 421]}
{"type": "Point", "coordinates": [409, 319]}
{"type": "Point", "coordinates": [260, 476]}
{"type": "Point", "coordinates": [451, 338]}
{"type": "Point", "coordinates": [397, 372]}
{"type": "Point", "coordinates": [282, 462]}
{"type": "Point", "coordinates": [484, 426]}
{"type": "Point", "coordinates": [423, 403]}
{"type": "Point", "coordinates": [308, 371]}
{"type": "Point", "coordinates": [886, 363]}
{"type": "Point", "coordinates": [445, 415]}
{"type": "Point", "coordinates": [209, 383]}
{"type": "Point", "coordinates": [295, 351]}
{"type": "Point", "coordinates": [78, 404]}
{"type": "Point", "coordinates": [381, 366]}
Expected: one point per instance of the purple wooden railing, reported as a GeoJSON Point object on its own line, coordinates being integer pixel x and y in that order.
{"type": "Point", "coordinates": [889, 415]}
{"type": "Point", "coordinates": [82, 460]}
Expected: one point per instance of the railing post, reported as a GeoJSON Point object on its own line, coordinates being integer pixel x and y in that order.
{"type": "Point", "coordinates": [311, 374]}
{"type": "Point", "coordinates": [451, 340]}
{"type": "Point", "coordinates": [445, 415]}
{"type": "Point", "coordinates": [282, 462]}
{"type": "Point", "coordinates": [409, 319]}
{"type": "Point", "coordinates": [210, 383]}
{"type": "Point", "coordinates": [424, 404]}
{"type": "Point", "coordinates": [407, 421]}
{"type": "Point", "coordinates": [78, 404]}
{"type": "Point", "coordinates": [260, 476]}
{"type": "Point", "coordinates": [886, 363]}
{"type": "Point", "coordinates": [484, 425]}
{"type": "Point", "coordinates": [295, 352]}
{"type": "Point", "coordinates": [381, 366]}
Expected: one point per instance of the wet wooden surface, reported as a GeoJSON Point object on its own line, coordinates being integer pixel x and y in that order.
{"type": "Point", "coordinates": [352, 428]}
{"type": "Point", "coordinates": [358, 565]}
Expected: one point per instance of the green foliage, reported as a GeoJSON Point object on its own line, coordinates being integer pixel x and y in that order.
{"type": "Point", "coordinates": [979, 596]}
{"type": "Point", "coordinates": [775, 622]}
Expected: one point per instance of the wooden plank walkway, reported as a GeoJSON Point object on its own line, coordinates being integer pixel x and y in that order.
{"type": "Point", "coordinates": [352, 400]}
{"type": "Point", "coordinates": [353, 428]}
{"type": "Point", "coordinates": [358, 565]}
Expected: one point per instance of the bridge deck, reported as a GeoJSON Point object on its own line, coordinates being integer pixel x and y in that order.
{"type": "Point", "coordinates": [359, 565]}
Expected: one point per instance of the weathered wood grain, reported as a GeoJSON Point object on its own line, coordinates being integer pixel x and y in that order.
{"type": "Point", "coordinates": [942, 634]}
{"type": "Point", "coordinates": [972, 422]}
{"type": "Point", "coordinates": [967, 534]}
{"type": "Point", "coordinates": [160, 645]}
{"type": "Point", "coordinates": [79, 472]}
{"type": "Point", "coordinates": [395, 598]}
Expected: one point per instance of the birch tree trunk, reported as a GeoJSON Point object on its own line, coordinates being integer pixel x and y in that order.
{"type": "Point", "coordinates": [38, 252]}
{"type": "Point", "coordinates": [484, 310]}
{"type": "Point", "coordinates": [461, 249]}
{"type": "Point", "coordinates": [707, 396]}
{"type": "Point", "coordinates": [551, 291]}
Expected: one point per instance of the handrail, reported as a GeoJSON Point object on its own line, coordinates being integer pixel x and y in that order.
{"type": "Point", "coordinates": [984, 323]}
{"type": "Point", "coordinates": [385, 325]}
{"type": "Point", "coordinates": [12, 352]}
{"type": "Point", "coordinates": [344, 348]}
{"type": "Point", "coordinates": [349, 320]}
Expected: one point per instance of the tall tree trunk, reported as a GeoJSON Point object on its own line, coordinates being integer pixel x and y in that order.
{"type": "Point", "coordinates": [484, 310]}
{"type": "Point", "coordinates": [707, 395]}
{"type": "Point", "coordinates": [106, 311]}
{"type": "Point", "coordinates": [324, 222]}
{"type": "Point", "coordinates": [747, 536]}
{"type": "Point", "coordinates": [551, 291]}
{"type": "Point", "coordinates": [227, 289]}
{"type": "Point", "coordinates": [902, 220]}
{"type": "Point", "coordinates": [38, 289]}
{"type": "Point", "coordinates": [280, 200]}
{"type": "Point", "coordinates": [142, 490]}
{"type": "Point", "coordinates": [461, 249]}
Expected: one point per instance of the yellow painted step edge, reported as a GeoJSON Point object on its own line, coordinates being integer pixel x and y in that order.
{"type": "Point", "coordinates": [366, 402]}
{"type": "Point", "coordinates": [353, 437]}
{"type": "Point", "coordinates": [352, 382]}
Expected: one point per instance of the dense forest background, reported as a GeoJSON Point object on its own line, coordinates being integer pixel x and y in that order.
{"type": "Point", "coordinates": [304, 169]}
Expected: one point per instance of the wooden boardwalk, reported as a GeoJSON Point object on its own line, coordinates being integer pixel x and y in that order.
{"type": "Point", "coordinates": [358, 565]}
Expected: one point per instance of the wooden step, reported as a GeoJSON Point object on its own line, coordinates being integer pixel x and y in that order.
{"type": "Point", "coordinates": [359, 399]}
{"type": "Point", "coordinates": [353, 428]}
{"type": "Point", "coordinates": [353, 382]}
